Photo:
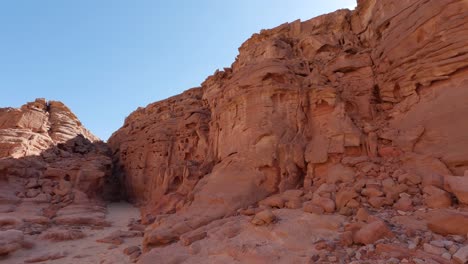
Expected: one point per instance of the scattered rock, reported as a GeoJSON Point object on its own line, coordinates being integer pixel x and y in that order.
{"type": "Point", "coordinates": [404, 204]}
{"type": "Point", "coordinates": [458, 186]}
{"type": "Point", "coordinates": [436, 198]}
{"type": "Point", "coordinates": [264, 217]}
{"type": "Point", "coordinates": [131, 250]}
{"type": "Point", "coordinates": [372, 232]}
{"type": "Point", "coordinates": [461, 256]}
{"type": "Point", "coordinates": [310, 207]}
{"type": "Point", "coordinates": [117, 237]}
{"type": "Point", "coordinates": [434, 249]}
{"type": "Point", "coordinates": [8, 222]}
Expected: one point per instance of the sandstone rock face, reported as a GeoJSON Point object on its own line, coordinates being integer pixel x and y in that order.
{"type": "Point", "coordinates": [175, 150]}
{"type": "Point", "coordinates": [53, 172]}
{"type": "Point", "coordinates": [37, 126]}
{"type": "Point", "coordinates": [44, 146]}
{"type": "Point", "coordinates": [10, 241]}
{"type": "Point", "coordinates": [352, 108]}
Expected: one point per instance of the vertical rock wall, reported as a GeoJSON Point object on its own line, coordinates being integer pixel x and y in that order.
{"type": "Point", "coordinates": [342, 96]}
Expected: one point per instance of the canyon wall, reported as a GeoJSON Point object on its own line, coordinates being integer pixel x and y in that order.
{"type": "Point", "coordinates": [337, 138]}
{"type": "Point", "coordinates": [351, 96]}
{"type": "Point", "coordinates": [54, 178]}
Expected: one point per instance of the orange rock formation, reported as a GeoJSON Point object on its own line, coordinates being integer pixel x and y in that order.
{"type": "Point", "coordinates": [340, 138]}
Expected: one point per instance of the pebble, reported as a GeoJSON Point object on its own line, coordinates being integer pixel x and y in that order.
{"type": "Point", "coordinates": [392, 261]}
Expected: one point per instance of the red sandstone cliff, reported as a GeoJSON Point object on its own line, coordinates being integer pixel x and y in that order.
{"type": "Point", "coordinates": [53, 176]}
{"type": "Point", "coordinates": [37, 126]}
{"type": "Point", "coordinates": [352, 108]}
{"type": "Point", "coordinates": [340, 138]}
{"type": "Point", "coordinates": [46, 140]}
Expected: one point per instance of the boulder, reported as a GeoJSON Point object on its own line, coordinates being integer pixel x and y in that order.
{"type": "Point", "coordinates": [372, 232]}
{"type": "Point", "coordinates": [458, 185]}
{"type": "Point", "coordinates": [344, 196]}
{"type": "Point", "coordinates": [447, 222]}
{"type": "Point", "coordinates": [436, 198]}
{"type": "Point", "coordinates": [405, 203]}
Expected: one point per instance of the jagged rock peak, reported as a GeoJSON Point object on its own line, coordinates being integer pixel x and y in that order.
{"type": "Point", "coordinates": [36, 126]}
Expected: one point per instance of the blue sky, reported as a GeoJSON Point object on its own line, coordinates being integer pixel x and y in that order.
{"type": "Point", "coordinates": [105, 58]}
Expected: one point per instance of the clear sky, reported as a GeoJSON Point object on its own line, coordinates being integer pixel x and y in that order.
{"type": "Point", "coordinates": [105, 58]}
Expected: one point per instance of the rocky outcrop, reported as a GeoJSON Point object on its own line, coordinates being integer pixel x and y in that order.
{"type": "Point", "coordinates": [352, 108]}
{"type": "Point", "coordinates": [45, 146]}
{"type": "Point", "coordinates": [53, 172]}
{"type": "Point", "coordinates": [36, 127]}
{"type": "Point", "coordinates": [340, 138]}
{"type": "Point", "coordinates": [168, 140]}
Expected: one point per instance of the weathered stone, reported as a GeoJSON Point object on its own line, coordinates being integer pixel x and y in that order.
{"type": "Point", "coordinates": [355, 107]}
{"type": "Point", "coordinates": [458, 186]}
{"type": "Point", "coordinates": [461, 256]}
{"type": "Point", "coordinates": [372, 232]}
{"type": "Point", "coordinates": [130, 250]}
{"type": "Point", "coordinates": [344, 196]}
{"type": "Point", "coordinates": [447, 222]}
{"type": "Point", "coordinates": [10, 241]}
{"type": "Point", "coordinates": [404, 204]}
{"type": "Point", "coordinates": [264, 217]}
{"type": "Point", "coordinates": [433, 249]}
{"type": "Point", "coordinates": [310, 207]}
{"type": "Point", "coordinates": [436, 198]}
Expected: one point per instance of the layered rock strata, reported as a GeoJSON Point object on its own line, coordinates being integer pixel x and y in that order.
{"type": "Point", "coordinates": [352, 108]}
{"type": "Point", "coordinates": [53, 173]}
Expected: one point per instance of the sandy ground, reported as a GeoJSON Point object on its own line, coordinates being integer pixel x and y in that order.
{"type": "Point", "coordinates": [86, 250]}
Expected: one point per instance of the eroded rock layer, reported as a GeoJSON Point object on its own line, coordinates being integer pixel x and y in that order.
{"type": "Point", "coordinates": [45, 141]}
{"type": "Point", "coordinates": [351, 109]}
{"type": "Point", "coordinates": [53, 176]}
